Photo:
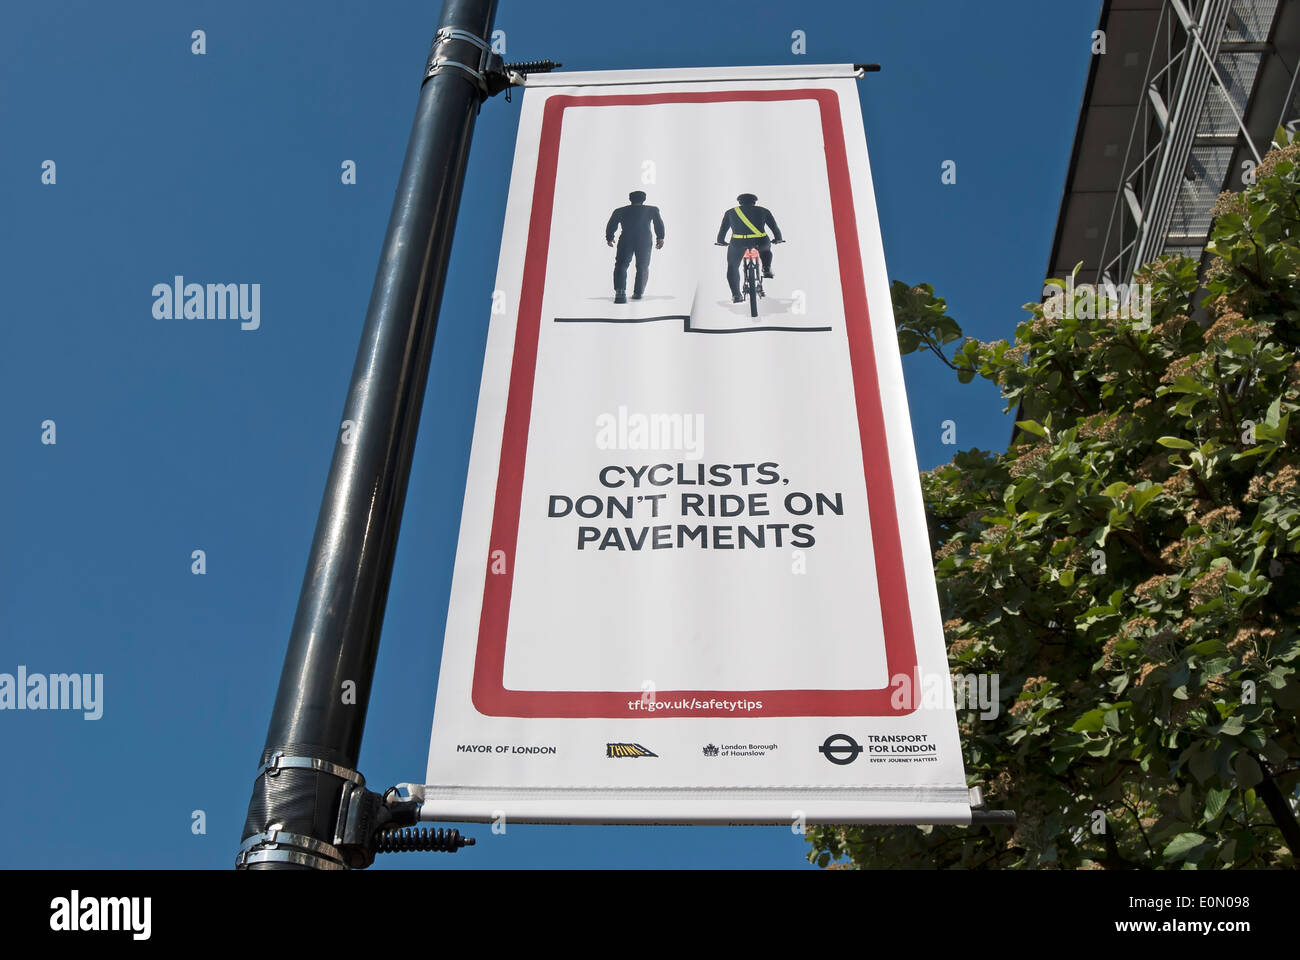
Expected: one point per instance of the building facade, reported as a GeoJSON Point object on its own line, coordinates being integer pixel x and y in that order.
{"type": "Point", "coordinates": [1182, 99]}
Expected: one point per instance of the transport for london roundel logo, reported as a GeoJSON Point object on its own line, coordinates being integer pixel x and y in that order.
{"type": "Point", "coordinates": [840, 748]}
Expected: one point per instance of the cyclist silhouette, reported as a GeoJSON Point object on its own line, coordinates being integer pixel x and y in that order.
{"type": "Point", "coordinates": [748, 224]}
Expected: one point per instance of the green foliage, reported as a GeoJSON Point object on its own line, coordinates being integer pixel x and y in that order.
{"type": "Point", "coordinates": [922, 321]}
{"type": "Point", "coordinates": [1130, 567]}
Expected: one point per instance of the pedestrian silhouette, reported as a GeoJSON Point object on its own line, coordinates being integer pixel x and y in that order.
{"type": "Point", "coordinates": [748, 224]}
{"type": "Point", "coordinates": [634, 240]}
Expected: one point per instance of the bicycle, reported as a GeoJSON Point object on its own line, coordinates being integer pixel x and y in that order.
{"type": "Point", "coordinates": [753, 285]}
{"type": "Point", "coordinates": [753, 282]}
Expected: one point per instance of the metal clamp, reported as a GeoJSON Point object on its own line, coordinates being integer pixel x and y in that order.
{"type": "Point", "coordinates": [330, 857]}
{"type": "Point", "coordinates": [981, 816]}
{"type": "Point", "coordinates": [289, 856]}
{"type": "Point", "coordinates": [488, 62]}
{"type": "Point", "coordinates": [455, 33]}
{"type": "Point", "coordinates": [279, 761]}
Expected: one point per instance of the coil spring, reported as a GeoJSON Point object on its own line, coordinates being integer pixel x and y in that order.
{"type": "Point", "coordinates": [408, 839]}
{"type": "Point", "coordinates": [533, 66]}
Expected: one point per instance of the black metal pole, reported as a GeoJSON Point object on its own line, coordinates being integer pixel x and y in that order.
{"type": "Point", "coordinates": [314, 739]}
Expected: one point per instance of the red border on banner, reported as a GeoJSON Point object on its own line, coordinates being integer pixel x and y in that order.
{"type": "Point", "coordinates": [490, 696]}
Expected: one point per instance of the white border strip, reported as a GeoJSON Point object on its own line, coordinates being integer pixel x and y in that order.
{"type": "Point", "coordinates": [731, 806]}
{"type": "Point", "coordinates": [816, 71]}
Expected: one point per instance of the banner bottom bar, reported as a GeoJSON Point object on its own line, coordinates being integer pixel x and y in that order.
{"type": "Point", "coordinates": [691, 811]}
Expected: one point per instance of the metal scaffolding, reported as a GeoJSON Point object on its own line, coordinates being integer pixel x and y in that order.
{"type": "Point", "coordinates": [1179, 107]}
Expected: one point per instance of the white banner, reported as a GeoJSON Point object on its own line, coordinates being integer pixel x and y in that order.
{"type": "Point", "coordinates": [693, 582]}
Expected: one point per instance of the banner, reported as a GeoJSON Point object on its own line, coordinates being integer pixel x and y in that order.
{"type": "Point", "coordinates": [693, 582]}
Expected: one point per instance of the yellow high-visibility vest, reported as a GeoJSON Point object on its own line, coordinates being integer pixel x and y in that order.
{"type": "Point", "coordinates": [746, 236]}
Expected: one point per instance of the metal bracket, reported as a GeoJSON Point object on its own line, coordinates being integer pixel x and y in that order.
{"type": "Point", "coordinates": [366, 824]}
{"type": "Point", "coordinates": [488, 73]}
{"type": "Point", "coordinates": [516, 74]}
{"type": "Point", "coordinates": [278, 761]}
{"type": "Point", "coordinates": [277, 845]}
{"type": "Point", "coordinates": [364, 820]}
{"type": "Point", "coordinates": [982, 817]}
{"type": "Point", "coordinates": [365, 817]}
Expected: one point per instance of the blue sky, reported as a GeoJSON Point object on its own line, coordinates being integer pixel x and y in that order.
{"type": "Point", "coordinates": [177, 435]}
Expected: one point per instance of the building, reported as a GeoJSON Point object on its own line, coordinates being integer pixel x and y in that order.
{"type": "Point", "coordinates": [1179, 107]}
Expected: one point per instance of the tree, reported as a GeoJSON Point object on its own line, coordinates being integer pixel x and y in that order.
{"type": "Point", "coordinates": [1130, 567]}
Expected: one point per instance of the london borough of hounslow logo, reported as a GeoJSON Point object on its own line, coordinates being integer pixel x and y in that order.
{"type": "Point", "coordinates": [627, 750]}
{"type": "Point", "coordinates": [710, 750]}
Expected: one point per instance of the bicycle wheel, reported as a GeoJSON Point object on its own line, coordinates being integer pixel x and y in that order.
{"type": "Point", "coordinates": [753, 289]}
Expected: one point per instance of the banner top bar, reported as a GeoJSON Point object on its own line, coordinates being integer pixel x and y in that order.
{"type": "Point", "coordinates": [818, 71]}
